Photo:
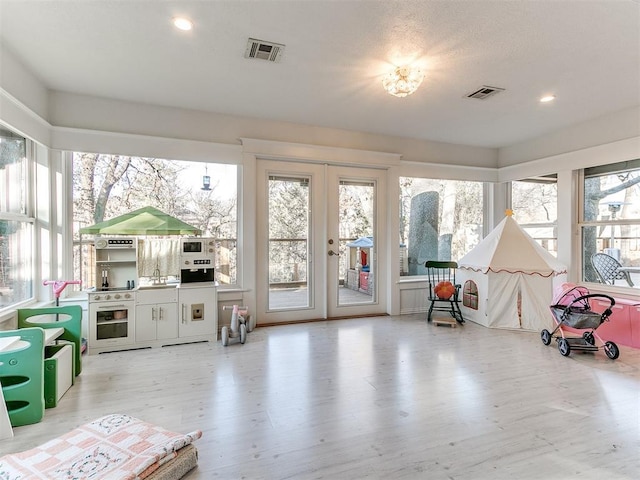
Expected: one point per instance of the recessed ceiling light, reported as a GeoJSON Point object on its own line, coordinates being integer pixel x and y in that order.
{"type": "Point", "coordinates": [182, 23]}
{"type": "Point", "coordinates": [547, 98]}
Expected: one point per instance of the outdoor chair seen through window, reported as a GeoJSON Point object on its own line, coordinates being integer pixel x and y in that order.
{"type": "Point", "coordinates": [608, 269]}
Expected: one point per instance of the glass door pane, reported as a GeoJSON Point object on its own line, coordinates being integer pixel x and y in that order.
{"type": "Point", "coordinates": [356, 273]}
{"type": "Point", "coordinates": [289, 233]}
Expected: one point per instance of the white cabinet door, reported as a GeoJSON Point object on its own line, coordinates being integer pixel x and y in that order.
{"type": "Point", "coordinates": [145, 323]}
{"type": "Point", "coordinates": [157, 315]}
{"type": "Point", "coordinates": [167, 321]}
{"type": "Point", "coordinates": [156, 322]}
{"type": "Point", "coordinates": [197, 308]}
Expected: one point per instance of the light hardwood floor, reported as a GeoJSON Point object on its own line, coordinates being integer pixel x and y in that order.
{"type": "Point", "coordinates": [383, 397]}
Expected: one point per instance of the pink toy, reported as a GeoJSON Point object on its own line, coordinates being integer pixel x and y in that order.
{"type": "Point", "coordinates": [240, 324]}
{"type": "Point", "coordinates": [59, 286]}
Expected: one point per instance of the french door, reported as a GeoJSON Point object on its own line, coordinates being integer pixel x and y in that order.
{"type": "Point", "coordinates": [320, 241]}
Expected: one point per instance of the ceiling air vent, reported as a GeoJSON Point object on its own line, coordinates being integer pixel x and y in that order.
{"type": "Point", "coordinates": [485, 92]}
{"type": "Point", "coordinates": [263, 50]}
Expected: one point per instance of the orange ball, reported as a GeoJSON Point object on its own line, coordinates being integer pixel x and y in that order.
{"type": "Point", "coordinates": [444, 290]}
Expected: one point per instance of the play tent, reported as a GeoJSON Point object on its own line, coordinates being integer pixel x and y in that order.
{"type": "Point", "coordinates": [515, 278]}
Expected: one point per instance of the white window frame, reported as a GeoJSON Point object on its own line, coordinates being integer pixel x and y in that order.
{"type": "Point", "coordinates": [28, 218]}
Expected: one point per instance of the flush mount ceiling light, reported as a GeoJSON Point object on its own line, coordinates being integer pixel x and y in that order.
{"type": "Point", "coordinates": [547, 98]}
{"type": "Point", "coordinates": [402, 81]}
{"type": "Point", "coordinates": [182, 23]}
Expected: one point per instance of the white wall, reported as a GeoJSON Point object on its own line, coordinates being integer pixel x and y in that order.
{"type": "Point", "coordinates": [93, 113]}
{"type": "Point", "coordinates": [587, 136]}
{"type": "Point", "coordinates": [23, 100]}
{"type": "Point", "coordinates": [616, 151]}
{"type": "Point", "coordinates": [18, 81]}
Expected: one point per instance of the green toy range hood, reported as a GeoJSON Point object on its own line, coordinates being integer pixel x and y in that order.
{"type": "Point", "coordinates": [144, 221]}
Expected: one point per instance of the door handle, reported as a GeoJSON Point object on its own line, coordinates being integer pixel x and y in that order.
{"type": "Point", "coordinates": [332, 253]}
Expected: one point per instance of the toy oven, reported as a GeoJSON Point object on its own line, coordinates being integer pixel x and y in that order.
{"type": "Point", "coordinates": [111, 318]}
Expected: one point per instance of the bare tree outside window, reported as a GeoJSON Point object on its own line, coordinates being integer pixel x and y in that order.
{"type": "Point", "coordinates": [106, 186]}
{"type": "Point", "coordinates": [439, 220]}
{"type": "Point", "coordinates": [16, 228]}
{"type": "Point", "coordinates": [534, 202]}
{"type": "Point", "coordinates": [289, 199]}
{"type": "Point", "coordinates": [611, 216]}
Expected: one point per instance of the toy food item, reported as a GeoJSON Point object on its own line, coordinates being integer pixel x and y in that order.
{"type": "Point", "coordinates": [444, 290]}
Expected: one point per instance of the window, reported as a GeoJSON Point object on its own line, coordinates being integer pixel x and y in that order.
{"type": "Point", "coordinates": [439, 220]}
{"type": "Point", "coordinates": [203, 195]}
{"type": "Point", "coordinates": [534, 202]}
{"type": "Point", "coordinates": [610, 221]}
{"type": "Point", "coordinates": [16, 224]}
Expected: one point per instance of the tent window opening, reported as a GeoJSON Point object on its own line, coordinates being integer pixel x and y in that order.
{"type": "Point", "coordinates": [470, 295]}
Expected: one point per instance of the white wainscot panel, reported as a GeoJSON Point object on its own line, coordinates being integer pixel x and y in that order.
{"type": "Point", "coordinates": [414, 300]}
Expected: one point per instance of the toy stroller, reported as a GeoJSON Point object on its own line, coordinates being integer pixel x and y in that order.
{"type": "Point", "coordinates": [241, 323]}
{"type": "Point", "coordinates": [572, 309]}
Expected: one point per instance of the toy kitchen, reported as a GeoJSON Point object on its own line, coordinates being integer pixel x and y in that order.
{"type": "Point", "coordinates": [152, 293]}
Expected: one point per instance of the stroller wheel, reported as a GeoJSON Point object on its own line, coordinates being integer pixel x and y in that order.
{"type": "Point", "coordinates": [588, 337]}
{"type": "Point", "coordinates": [545, 336]}
{"type": "Point", "coordinates": [564, 347]}
{"type": "Point", "coordinates": [612, 350]}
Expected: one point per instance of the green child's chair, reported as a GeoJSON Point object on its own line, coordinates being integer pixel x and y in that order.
{"type": "Point", "coordinates": [68, 317]}
{"type": "Point", "coordinates": [22, 376]}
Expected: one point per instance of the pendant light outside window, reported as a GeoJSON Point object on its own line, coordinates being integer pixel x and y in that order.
{"type": "Point", "coordinates": [206, 181]}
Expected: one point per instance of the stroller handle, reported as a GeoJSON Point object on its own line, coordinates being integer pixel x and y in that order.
{"type": "Point", "coordinates": [611, 300]}
{"type": "Point", "coordinates": [598, 295]}
{"type": "Point", "coordinates": [231, 307]}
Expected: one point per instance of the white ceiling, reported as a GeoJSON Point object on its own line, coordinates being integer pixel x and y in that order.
{"type": "Point", "coordinates": [586, 52]}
